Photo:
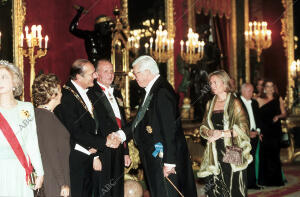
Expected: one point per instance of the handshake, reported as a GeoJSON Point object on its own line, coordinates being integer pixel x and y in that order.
{"type": "Point", "coordinates": [113, 140]}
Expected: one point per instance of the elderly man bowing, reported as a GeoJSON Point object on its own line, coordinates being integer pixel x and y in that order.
{"type": "Point", "coordinates": [157, 132]}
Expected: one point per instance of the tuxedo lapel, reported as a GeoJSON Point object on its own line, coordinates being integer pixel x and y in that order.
{"type": "Point", "coordinates": [70, 87]}
{"type": "Point", "coordinates": [101, 97]}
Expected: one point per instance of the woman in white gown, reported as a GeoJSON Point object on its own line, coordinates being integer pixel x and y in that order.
{"type": "Point", "coordinates": [20, 117]}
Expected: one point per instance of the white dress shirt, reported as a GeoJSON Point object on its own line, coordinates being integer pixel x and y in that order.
{"type": "Point", "coordinates": [149, 86]}
{"type": "Point", "coordinates": [109, 93]}
{"type": "Point", "coordinates": [84, 96]}
{"type": "Point", "coordinates": [88, 103]}
{"type": "Point", "coordinates": [250, 112]}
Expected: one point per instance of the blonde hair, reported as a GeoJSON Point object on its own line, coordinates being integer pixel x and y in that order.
{"type": "Point", "coordinates": [221, 74]}
{"type": "Point", "coordinates": [16, 75]}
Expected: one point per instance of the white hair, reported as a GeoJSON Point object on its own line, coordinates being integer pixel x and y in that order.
{"type": "Point", "coordinates": [146, 62]}
{"type": "Point", "coordinates": [16, 75]}
{"type": "Point", "coordinates": [245, 85]}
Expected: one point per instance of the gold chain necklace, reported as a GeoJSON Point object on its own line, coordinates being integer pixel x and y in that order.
{"type": "Point", "coordinates": [79, 99]}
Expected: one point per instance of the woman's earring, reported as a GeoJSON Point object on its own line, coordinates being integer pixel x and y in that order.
{"type": "Point", "coordinates": [264, 91]}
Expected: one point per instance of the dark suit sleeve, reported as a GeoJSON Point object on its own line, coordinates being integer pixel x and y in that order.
{"type": "Point", "coordinates": [128, 131]}
{"type": "Point", "coordinates": [166, 109]}
{"type": "Point", "coordinates": [68, 115]}
{"type": "Point", "coordinates": [126, 150]}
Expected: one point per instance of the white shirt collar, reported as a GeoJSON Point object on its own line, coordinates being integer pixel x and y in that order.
{"type": "Point", "coordinates": [245, 100]}
{"type": "Point", "coordinates": [150, 84]}
{"type": "Point", "coordinates": [79, 88]}
{"type": "Point", "coordinates": [109, 89]}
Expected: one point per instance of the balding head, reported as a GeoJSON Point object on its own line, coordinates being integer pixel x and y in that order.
{"type": "Point", "coordinates": [247, 90]}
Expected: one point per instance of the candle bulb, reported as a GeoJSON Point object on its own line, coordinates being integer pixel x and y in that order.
{"type": "Point", "coordinates": [146, 47]}
{"type": "Point", "coordinates": [39, 30]}
{"type": "Point", "coordinates": [29, 40]}
{"type": "Point", "coordinates": [26, 31]}
{"type": "Point", "coordinates": [46, 42]}
{"type": "Point", "coordinates": [187, 46]}
{"type": "Point", "coordinates": [172, 44]}
{"type": "Point", "coordinates": [33, 31]}
{"type": "Point", "coordinates": [40, 42]}
{"type": "Point", "coordinates": [181, 45]}
{"type": "Point", "coordinates": [151, 43]}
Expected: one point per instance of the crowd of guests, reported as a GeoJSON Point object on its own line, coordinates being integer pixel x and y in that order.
{"type": "Point", "coordinates": [254, 122]}
{"type": "Point", "coordinates": [73, 139]}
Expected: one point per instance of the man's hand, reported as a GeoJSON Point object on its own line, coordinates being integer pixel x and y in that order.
{"type": "Point", "coordinates": [39, 182]}
{"type": "Point", "coordinates": [97, 165]}
{"type": "Point", "coordinates": [168, 170]}
{"type": "Point", "coordinates": [127, 160]}
{"type": "Point", "coordinates": [253, 134]}
{"type": "Point", "coordinates": [65, 191]}
{"type": "Point", "coordinates": [275, 119]}
{"type": "Point", "coordinates": [113, 141]}
{"type": "Point", "coordinates": [92, 150]}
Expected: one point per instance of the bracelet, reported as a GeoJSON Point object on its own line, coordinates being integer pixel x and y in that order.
{"type": "Point", "coordinates": [223, 134]}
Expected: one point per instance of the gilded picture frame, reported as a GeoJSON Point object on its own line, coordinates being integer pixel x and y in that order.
{"type": "Point", "coordinates": [18, 18]}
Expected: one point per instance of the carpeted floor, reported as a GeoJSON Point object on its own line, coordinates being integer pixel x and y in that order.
{"type": "Point", "coordinates": [291, 189]}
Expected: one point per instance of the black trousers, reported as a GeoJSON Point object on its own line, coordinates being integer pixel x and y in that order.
{"type": "Point", "coordinates": [251, 178]}
{"type": "Point", "coordinates": [81, 168]}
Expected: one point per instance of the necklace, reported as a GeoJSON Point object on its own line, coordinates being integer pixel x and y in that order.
{"type": "Point", "coordinates": [45, 107]}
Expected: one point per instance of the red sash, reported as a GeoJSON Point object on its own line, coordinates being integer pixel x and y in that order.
{"type": "Point", "coordinates": [117, 119]}
{"type": "Point", "coordinates": [15, 145]}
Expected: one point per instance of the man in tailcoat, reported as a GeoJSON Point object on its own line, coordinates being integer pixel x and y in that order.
{"type": "Point", "coordinates": [109, 107]}
{"type": "Point", "coordinates": [251, 107]}
{"type": "Point", "coordinates": [158, 135]}
{"type": "Point", "coordinates": [78, 116]}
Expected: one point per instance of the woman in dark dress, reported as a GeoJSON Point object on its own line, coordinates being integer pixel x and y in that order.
{"type": "Point", "coordinates": [53, 137]}
{"type": "Point", "coordinates": [271, 110]}
{"type": "Point", "coordinates": [224, 116]}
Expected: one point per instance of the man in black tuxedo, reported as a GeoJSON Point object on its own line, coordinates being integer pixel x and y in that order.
{"type": "Point", "coordinates": [77, 114]}
{"type": "Point", "coordinates": [109, 107]}
{"type": "Point", "coordinates": [157, 133]}
{"type": "Point", "coordinates": [251, 107]}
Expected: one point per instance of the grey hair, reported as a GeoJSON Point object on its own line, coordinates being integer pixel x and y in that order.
{"type": "Point", "coordinates": [146, 62]}
{"type": "Point", "coordinates": [17, 76]}
{"type": "Point", "coordinates": [246, 85]}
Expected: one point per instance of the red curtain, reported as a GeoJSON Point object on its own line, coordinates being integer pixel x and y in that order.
{"type": "Point", "coordinates": [55, 17]}
{"type": "Point", "coordinates": [215, 7]}
{"type": "Point", "coordinates": [222, 35]}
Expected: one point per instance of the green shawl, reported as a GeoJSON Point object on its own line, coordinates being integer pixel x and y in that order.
{"type": "Point", "coordinates": [234, 118]}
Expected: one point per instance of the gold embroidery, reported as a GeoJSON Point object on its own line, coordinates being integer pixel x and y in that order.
{"type": "Point", "coordinates": [149, 129]}
{"type": "Point", "coordinates": [79, 99]}
{"type": "Point", "coordinates": [24, 114]}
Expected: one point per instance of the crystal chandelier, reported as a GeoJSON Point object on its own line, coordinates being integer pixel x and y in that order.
{"type": "Point", "coordinates": [162, 48]}
{"type": "Point", "coordinates": [258, 37]}
{"type": "Point", "coordinates": [193, 50]}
